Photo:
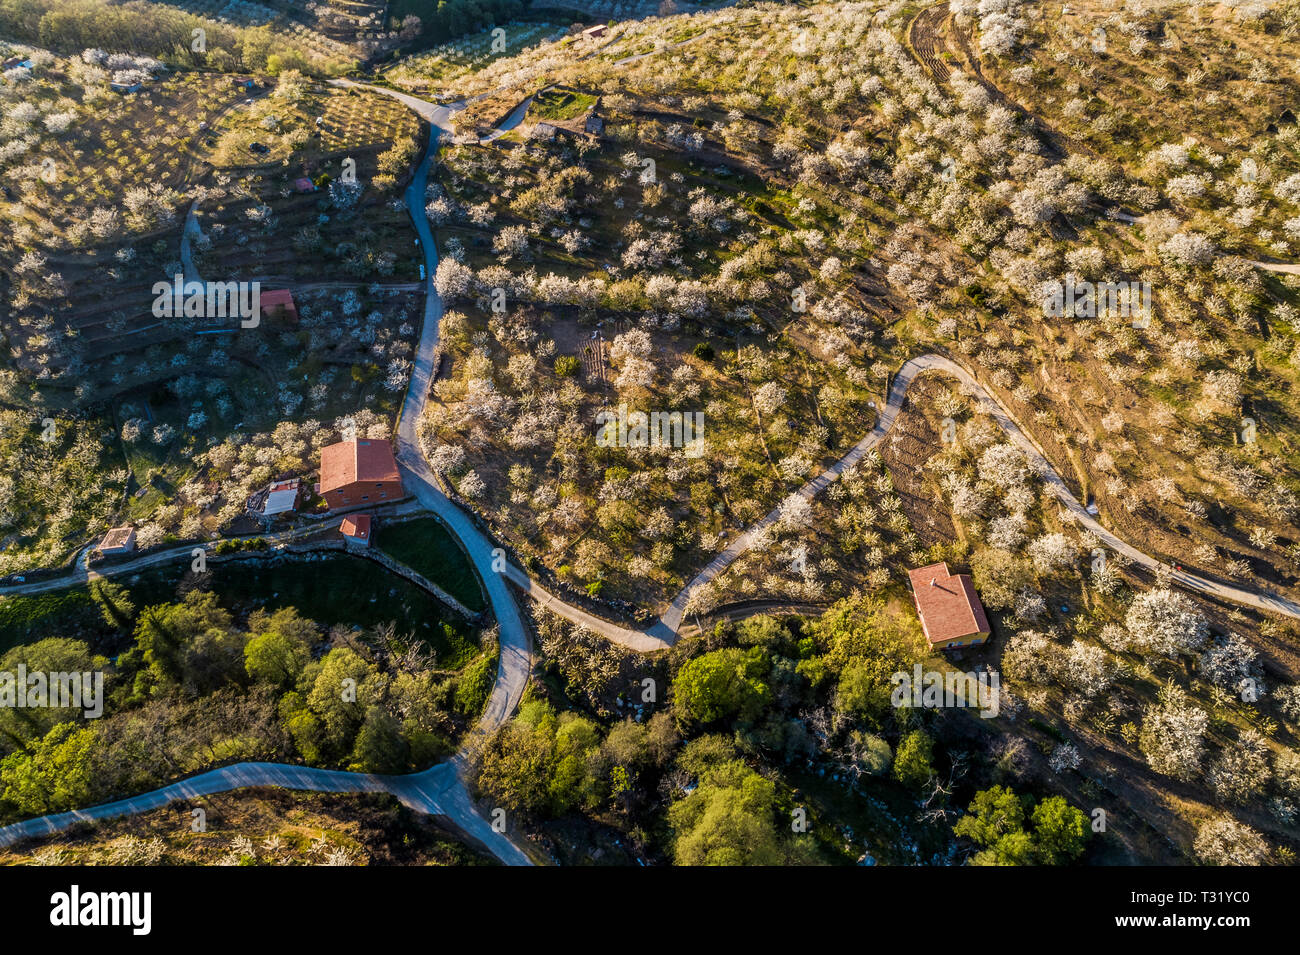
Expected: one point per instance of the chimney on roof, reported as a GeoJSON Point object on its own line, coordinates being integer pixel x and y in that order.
{"type": "Point", "coordinates": [932, 581]}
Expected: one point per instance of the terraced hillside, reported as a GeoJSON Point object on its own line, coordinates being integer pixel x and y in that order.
{"type": "Point", "coordinates": [197, 174]}
{"type": "Point", "coordinates": [778, 206]}
{"type": "Point", "coordinates": [897, 241]}
{"type": "Point", "coordinates": [738, 317]}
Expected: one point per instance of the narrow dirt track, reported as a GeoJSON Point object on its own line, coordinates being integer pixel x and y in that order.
{"type": "Point", "coordinates": [925, 35]}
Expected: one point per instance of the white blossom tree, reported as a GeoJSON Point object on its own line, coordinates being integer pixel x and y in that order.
{"type": "Point", "coordinates": [1165, 623]}
{"type": "Point", "coordinates": [1173, 736]}
{"type": "Point", "coordinates": [1224, 841]}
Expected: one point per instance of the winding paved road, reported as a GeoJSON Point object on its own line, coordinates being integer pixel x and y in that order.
{"type": "Point", "coordinates": [441, 790]}
{"type": "Point", "coordinates": [437, 791]}
{"type": "Point", "coordinates": [515, 639]}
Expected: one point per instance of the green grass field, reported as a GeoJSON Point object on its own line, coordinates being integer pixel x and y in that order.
{"type": "Point", "coordinates": [347, 590]}
{"type": "Point", "coordinates": [337, 590]}
{"type": "Point", "coordinates": [561, 104]}
{"type": "Point", "coordinates": [62, 613]}
{"type": "Point", "coordinates": [426, 547]}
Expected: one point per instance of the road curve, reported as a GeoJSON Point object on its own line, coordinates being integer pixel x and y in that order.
{"type": "Point", "coordinates": [515, 639]}
{"type": "Point", "coordinates": [436, 791]}
{"type": "Point", "coordinates": [441, 789]}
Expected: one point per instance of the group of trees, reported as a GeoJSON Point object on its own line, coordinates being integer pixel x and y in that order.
{"type": "Point", "coordinates": [512, 395]}
{"type": "Point", "coordinates": [57, 364]}
{"type": "Point", "coordinates": [857, 533]}
{"type": "Point", "coordinates": [1005, 192]}
{"type": "Point", "coordinates": [734, 813]}
{"type": "Point", "coordinates": [446, 19]}
{"type": "Point", "coordinates": [1013, 830]}
{"type": "Point", "coordinates": [195, 688]}
{"type": "Point", "coordinates": [161, 31]}
{"type": "Point", "coordinates": [1174, 733]}
{"type": "Point", "coordinates": [59, 484]}
{"type": "Point", "coordinates": [749, 705]}
{"type": "Point", "coordinates": [547, 764]}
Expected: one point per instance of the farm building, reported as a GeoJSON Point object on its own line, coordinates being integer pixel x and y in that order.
{"type": "Point", "coordinates": [303, 185]}
{"type": "Point", "coordinates": [950, 610]}
{"type": "Point", "coordinates": [15, 62]}
{"type": "Point", "coordinates": [565, 111]}
{"type": "Point", "coordinates": [243, 83]}
{"type": "Point", "coordinates": [356, 529]}
{"type": "Point", "coordinates": [593, 32]}
{"type": "Point", "coordinates": [279, 302]}
{"type": "Point", "coordinates": [281, 498]}
{"type": "Point", "coordinates": [124, 88]}
{"type": "Point", "coordinates": [120, 540]}
{"type": "Point", "coordinates": [359, 472]}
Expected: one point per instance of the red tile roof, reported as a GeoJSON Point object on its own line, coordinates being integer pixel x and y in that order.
{"type": "Point", "coordinates": [278, 298]}
{"type": "Point", "coordinates": [947, 604]}
{"type": "Point", "coordinates": [350, 461]}
{"type": "Point", "coordinates": [118, 537]}
{"type": "Point", "coordinates": [356, 526]}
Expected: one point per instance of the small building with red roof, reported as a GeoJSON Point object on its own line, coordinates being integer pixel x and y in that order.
{"type": "Point", "coordinates": [950, 609]}
{"type": "Point", "coordinates": [278, 302]}
{"type": "Point", "coordinates": [359, 472]}
{"type": "Point", "coordinates": [119, 540]}
{"type": "Point", "coordinates": [356, 529]}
